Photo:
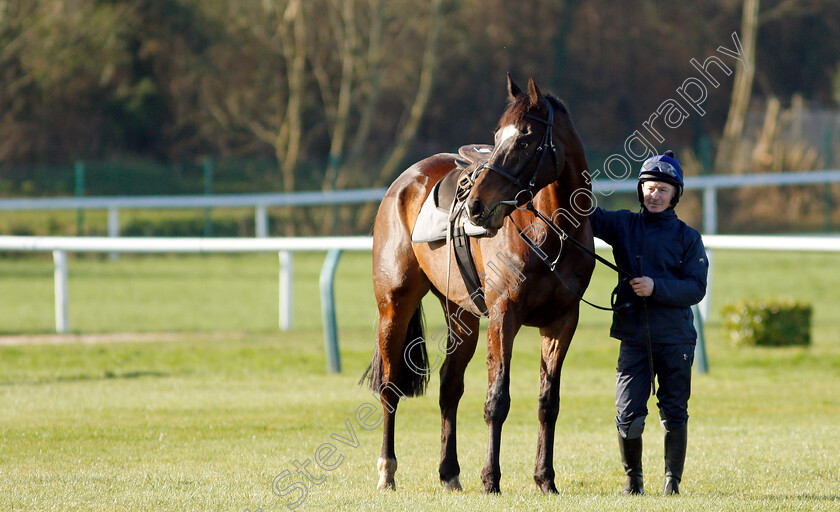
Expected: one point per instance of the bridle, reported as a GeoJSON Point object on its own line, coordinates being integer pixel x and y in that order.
{"type": "Point", "coordinates": [535, 161]}
{"type": "Point", "coordinates": [468, 180]}
{"type": "Point", "coordinates": [546, 146]}
{"type": "Point", "coordinates": [547, 143]}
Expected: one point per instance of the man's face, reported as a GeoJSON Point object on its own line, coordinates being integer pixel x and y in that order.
{"type": "Point", "coordinates": [657, 195]}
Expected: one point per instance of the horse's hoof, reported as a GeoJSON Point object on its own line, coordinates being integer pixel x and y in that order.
{"type": "Point", "coordinates": [387, 468]}
{"type": "Point", "coordinates": [385, 485]}
{"type": "Point", "coordinates": [491, 480]}
{"type": "Point", "coordinates": [492, 489]}
{"type": "Point", "coordinates": [548, 488]}
{"type": "Point", "coordinates": [453, 484]}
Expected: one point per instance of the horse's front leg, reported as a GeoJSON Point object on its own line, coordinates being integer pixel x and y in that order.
{"type": "Point", "coordinates": [556, 339]}
{"type": "Point", "coordinates": [461, 342]}
{"type": "Point", "coordinates": [499, 346]}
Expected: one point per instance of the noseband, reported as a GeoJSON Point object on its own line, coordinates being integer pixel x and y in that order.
{"type": "Point", "coordinates": [536, 159]}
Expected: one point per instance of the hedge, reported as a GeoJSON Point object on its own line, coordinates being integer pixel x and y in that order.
{"type": "Point", "coordinates": [767, 322]}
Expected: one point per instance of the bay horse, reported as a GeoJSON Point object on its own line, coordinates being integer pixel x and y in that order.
{"type": "Point", "coordinates": [537, 154]}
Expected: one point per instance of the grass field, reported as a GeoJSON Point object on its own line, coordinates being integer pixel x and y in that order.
{"type": "Point", "coordinates": [203, 403]}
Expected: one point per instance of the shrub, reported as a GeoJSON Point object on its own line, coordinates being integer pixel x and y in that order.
{"type": "Point", "coordinates": [767, 322]}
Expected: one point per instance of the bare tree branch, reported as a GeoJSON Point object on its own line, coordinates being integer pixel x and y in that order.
{"type": "Point", "coordinates": [288, 141]}
{"type": "Point", "coordinates": [408, 131]}
{"type": "Point", "coordinates": [741, 91]}
{"type": "Point", "coordinates": [340, 125]}
{"type": "Point", "coordinates": [373, 77]}
{"type": "Point", "coordinates": [791, 9]}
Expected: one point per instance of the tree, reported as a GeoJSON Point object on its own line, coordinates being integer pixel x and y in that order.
{"type": "Point", "coordinates": [314, 82]}
{"type": "Point", "coordinates": [58, 60]}
{"type": "Point", "coordinates": [741, 91]}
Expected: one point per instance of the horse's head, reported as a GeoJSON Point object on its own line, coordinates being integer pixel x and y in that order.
{"type": "Point", "coordinates": [526, 158]}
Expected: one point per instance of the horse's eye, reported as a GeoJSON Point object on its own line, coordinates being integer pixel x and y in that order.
{"type": "Point", "coordinates": [523, 145]}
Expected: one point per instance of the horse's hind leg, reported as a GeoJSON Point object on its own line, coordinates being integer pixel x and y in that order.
{"type": "Point", "coordinates": [460, 347]}
{"type": "Point", "coordinates": [555, 343]}
{"type": "Point", "coordinates": [401, 369]}
{"type": "Point", "coordinates": [393, 326]}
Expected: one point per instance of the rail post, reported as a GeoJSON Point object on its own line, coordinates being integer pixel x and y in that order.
{"type": "Point", "coordinates": [710, 210]}
{"type": "Point", "coordinates": [113, 226]}
{"type": "Point", "coordinates": [828, 203]}
{"type": "Point", "coordinates": [286, 273]}
{"type": "Point", "coordinates": [703, 310]}
{"type": "Point", "coordinates": [261, 221]}
{"type": "Point", "coordinates": [701, 364]}
{"type": "Point", "coordinates": [79, 179]}
{"type": "Point", "coordinates": [208, 189]}
{"type": "Point", "coordinates": [326, 282]}
{"type": "Point", "coordinates": [60, 260]}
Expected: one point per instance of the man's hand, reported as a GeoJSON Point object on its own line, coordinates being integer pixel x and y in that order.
{"type": "Point", "coordinates": [642, 286]}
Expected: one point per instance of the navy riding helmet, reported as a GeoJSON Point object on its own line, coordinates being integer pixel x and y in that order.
{"type": "Point", "coordinates": [664, 168]}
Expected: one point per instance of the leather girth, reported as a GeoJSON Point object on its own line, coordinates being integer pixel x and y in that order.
{"type": "Point", "coordinates": [466, 264]}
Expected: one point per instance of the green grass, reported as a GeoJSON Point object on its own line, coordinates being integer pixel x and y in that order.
{"type": "Point", "coordinates": [181, 293]}
{"type": "Point", "coordinates": [210, 293]}
{"type": "Point", "coordinates": [205, 419]}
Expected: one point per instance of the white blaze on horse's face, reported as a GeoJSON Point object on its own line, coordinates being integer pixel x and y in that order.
{"type": "Point", "coordinates": [508, 132]}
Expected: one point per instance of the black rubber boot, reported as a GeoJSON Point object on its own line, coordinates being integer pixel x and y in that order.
{"type": "Point", "coordinates": [675, 443]}
{"type": "Point", "coordinates": [631, 458]}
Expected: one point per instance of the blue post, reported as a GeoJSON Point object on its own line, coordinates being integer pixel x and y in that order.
{"type": "Point", "coordinates": [327, 281]}
{"type": "Point", "coordinates": [701, 365]}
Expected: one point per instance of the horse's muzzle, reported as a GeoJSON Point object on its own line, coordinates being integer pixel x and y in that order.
{"type": "Point", "coordinates": [475, 209]}
{"type": "Point", "coordinates": [491, 219]}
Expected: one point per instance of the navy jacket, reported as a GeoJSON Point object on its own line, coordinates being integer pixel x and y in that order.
{"type": "Point", "coordinates": [672, 254]}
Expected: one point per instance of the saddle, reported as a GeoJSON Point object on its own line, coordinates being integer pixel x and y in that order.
{"type": "Point", "coordinates": [434, 219]}
{"type": "Point", "coordinates": [469, 157]}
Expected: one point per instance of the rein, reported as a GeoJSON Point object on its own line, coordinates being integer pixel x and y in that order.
{"type": "Point", "coordinates": [565, 236]}
{"type": "Point", "coordinates": [553, 267]}
{"type": "Point", "coordinates": [546, 144]}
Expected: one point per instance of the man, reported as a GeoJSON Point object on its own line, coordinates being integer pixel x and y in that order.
{"type": "Point", "coordinates": [654, 309]}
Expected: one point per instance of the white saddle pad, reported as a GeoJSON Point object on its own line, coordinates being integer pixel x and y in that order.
{"type": "Point", "coordinates": [432, 223]}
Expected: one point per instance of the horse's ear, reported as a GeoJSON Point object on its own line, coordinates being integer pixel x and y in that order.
{"type": "Point", "coordinates": [513, 89]}
{"type": "Point", "coordinates": [533, 92]}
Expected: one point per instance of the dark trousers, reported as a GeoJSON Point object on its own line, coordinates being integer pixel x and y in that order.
{"type": "Point", "coordinates": [672, 366]}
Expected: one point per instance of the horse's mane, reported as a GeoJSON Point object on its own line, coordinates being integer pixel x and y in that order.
{"type": "Point", "coordinates": [519, 107]}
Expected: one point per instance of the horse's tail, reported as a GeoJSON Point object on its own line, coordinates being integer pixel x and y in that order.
{"type": "Point", "coordinates": [414, 365]}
